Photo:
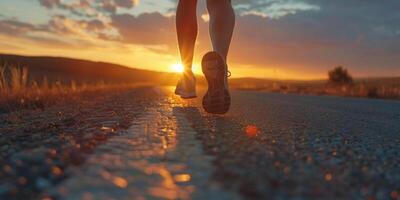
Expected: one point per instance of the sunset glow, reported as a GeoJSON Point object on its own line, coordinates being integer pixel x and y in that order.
{"type": "Point", "coordinates": [293, 40]}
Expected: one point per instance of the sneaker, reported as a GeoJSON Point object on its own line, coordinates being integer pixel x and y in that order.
{"type": "Point", "coordinates": [186, 87]}
{"type": "Point", "coordinates": [217, 100]}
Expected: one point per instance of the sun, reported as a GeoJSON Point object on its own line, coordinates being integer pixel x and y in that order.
{"type": "Point", "coordinates": [177, 68]}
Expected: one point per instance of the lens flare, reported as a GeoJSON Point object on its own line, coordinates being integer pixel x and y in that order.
{"type": "Point", "coordinates": [177, 68]}
{"type": "Point", "coordinates": [251, 131]}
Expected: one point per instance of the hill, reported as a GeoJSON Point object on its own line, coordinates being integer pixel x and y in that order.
{"type": "Point", "coordinates": [65, 70]}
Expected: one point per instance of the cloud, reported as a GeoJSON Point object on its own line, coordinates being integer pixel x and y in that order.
{"type": "Point", "coordinates": [90, 7]}
{"type": "Point", "coordinates": [147, 28]}
{"type": "Point", "coordinates": [274, 8]}
{"type": "Point", "coordinates": [89, 29]}
{"type": "Point", "coordinates": [82, 8]}
{"type": "Point", "coordinates": [127, 3]}
{"type": "Point", "coordinates": [50, 3]}
{"type": "Point", "coordinates": [14, 27]}
{"type": "Point", "coordinates": [108, 6]}
{"type": "Point", "coordinates": [39, 34]}
{"type": "Point", "coordinates": [60, 30]}
{"type": "Point", "coordinates": [111, 6]}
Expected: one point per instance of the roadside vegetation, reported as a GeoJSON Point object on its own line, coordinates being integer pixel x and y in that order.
{"type": "Point", "coordinates": [18, 91]}
{"type": "Point", "coordinates": [339, 83]}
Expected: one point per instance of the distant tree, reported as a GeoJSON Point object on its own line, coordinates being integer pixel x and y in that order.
{"type": "Point", "coordinates": [339, 77]}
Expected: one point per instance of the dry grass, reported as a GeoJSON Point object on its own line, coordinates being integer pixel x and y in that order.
{"type": "Point", "coordinates": [17, 91]}
{"type": "Point", "coordinates": [3, 84]}
{"type": "Point", "coordinates": [19, 79]}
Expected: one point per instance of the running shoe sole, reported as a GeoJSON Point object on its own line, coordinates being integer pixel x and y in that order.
{"type": "Point", "coordinates": [217, 100]}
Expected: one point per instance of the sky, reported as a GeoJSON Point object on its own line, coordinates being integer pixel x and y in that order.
{"type": "Point", "coordinates": [280, 39]}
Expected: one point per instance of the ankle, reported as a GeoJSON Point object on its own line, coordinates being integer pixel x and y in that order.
{"type": "Point", "coordinates": [188, 72]}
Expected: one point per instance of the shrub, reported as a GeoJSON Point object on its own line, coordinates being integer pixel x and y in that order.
{"type": "Point", "coordinates": [340, 77]}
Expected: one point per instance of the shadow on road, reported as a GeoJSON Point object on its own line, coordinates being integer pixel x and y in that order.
{"type": "Point", "coordinates": [232, 144]}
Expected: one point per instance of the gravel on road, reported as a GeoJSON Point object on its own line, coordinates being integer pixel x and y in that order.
{"type": "Point", "coordinates": [159, 157]}
{"type": "Point", "coordinates": [277, 146]}
{"type": "Point", "coordinates": [269, 146]}
{"type": "Point", "coordinates": [37, 145]}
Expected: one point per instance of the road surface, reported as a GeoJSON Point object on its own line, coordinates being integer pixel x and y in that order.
{"type": "Point", "coordinates": [269, 146]}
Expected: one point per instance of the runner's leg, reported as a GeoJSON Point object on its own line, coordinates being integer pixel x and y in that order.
{"type": "Point", "coordinates": [186, 26]}
{"type": "Point", "coordinates": [222, 23]}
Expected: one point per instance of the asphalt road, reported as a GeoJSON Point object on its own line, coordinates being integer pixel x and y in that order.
{"type": "Point", "coordinates": [279, 146]}
{"type": "Point", "coordinates": [269, 146]}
